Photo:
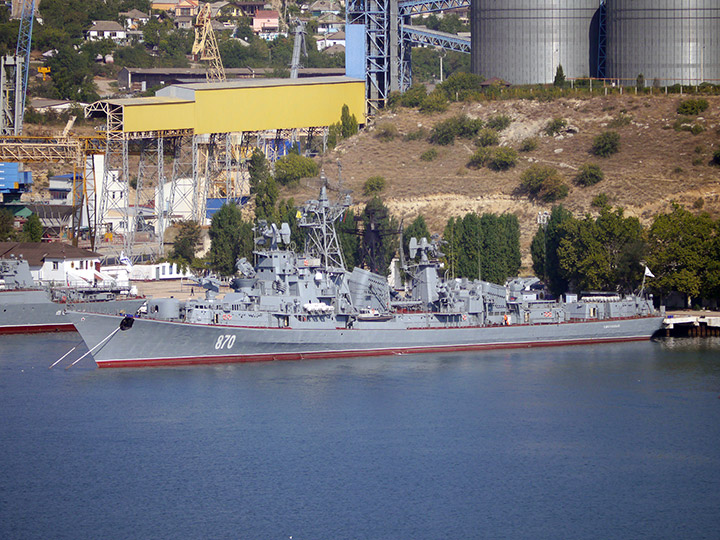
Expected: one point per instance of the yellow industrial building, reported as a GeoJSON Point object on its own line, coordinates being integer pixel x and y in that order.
{"type": "Point", "coordinates": [244, 105]}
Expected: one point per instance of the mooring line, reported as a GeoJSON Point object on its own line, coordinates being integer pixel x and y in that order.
{"type": "Point", "coordinates": [111, 334]}
{"type": "Point", "coordinates": [62, 357]}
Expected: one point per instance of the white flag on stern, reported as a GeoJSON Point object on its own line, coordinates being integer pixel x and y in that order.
{"type": "Point", "coordinates": [648, 273]}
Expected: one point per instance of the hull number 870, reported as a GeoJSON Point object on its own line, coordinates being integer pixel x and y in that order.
{"type": "Point", "coordinates": [225, 341]}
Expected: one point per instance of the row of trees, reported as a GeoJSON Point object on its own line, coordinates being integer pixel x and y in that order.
{"type": "Point", "coordinates": [31, 232]}
{"type": "Point", "coordinates": [609, 252]}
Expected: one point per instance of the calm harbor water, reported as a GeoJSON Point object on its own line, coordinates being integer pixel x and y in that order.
{"type": "Point", "coordinates": [612, 441]}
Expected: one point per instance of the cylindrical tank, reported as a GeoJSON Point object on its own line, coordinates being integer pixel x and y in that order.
{"type": "Point", "coordinates": [673, 41]}
{"type": "Point", "coordinates": [524, 41]}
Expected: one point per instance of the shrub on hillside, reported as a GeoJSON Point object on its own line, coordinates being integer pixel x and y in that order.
{"type": "Point", "coordinates": [417, 135]}
{"type": "Point", "coordinates": [487, 137]}
{"type": "Point", "coordinates": [460, 86]}
{"type": "Point", "coordinates": [479, 158]}
{"type": "Point", "coordinates": [606, 144]}
{"type": "Point", "coordinates": [543, 183]}
{"type": "Point", "coordinates": [601, 200]}
{"type": "Point", "coordinates": [555, 126]}
{"type": "Point", "coordinates": [429, 155]}
{"type": "Point", "coordinates": [373, 185]}
{"type": "Point", "coordinates": [499, 122]}
{"type": "Point", "coordinates": [692, 106]}
{"type": "Point", "coordinates": [386, 131]}
{"type": "Point", "coordinates": [434, 102]}
{"type": "Point", "coordinates": [413, 97]}
{"type": "Point", "coordinates": [588, 175]}
{"type": "Point", "coordinates": [622, 119]}
{"type": "Point", "coordinates": [716, 157]}
{"type": "Point", "coordinates": [529, 144]}
{"type": "Point", "coordinates": [502, 158]}
{"type": "Point", "coordinates": [444, 132]}
{"type": "Point", "coordinates": [293, 167]}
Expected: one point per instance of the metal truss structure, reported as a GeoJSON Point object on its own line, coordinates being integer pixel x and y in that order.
{"type": "Point", "coordinates": [78, 151]}
{"type": "Point", "coordinates": [602, 40]}
{"type": "Point", "coordinates": [389, 38]}
{"type": "Point", "coordinates": [433, 38]}
{"type": "Point", "coordinates": [206, 46]}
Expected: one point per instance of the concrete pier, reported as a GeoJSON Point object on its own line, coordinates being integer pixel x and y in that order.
{"type": "Point", "coordinates": [692, 324]}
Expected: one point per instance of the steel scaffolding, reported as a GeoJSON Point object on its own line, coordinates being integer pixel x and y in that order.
{"type": "Point", "coordinates": [389, 38]}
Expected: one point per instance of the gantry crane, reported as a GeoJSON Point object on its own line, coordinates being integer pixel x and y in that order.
{"type": "Point", "coordinates": [206, 46]}
{"type": "Point", "coordinates": [14, 75]}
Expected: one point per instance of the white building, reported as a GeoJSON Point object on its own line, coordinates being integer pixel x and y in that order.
{"type": "Point", "coordinates": [57, 263]}
{"type": "Point", "coordinates": [106, 30]}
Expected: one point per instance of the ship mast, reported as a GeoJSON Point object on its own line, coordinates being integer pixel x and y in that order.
{"type": "Point", "coordinates": [321, 239]}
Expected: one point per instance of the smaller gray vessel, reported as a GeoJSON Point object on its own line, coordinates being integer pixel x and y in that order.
{"type": "Point", "coordinates": [292, 306]}
{"type": "Point", "coordinates": [27, 308]}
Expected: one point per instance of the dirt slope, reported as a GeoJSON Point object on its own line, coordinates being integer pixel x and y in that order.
{"type": "Point", "coordinates": [656, 164]}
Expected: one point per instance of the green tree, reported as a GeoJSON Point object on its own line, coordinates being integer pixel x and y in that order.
{"type": "Point", "coordinates": [452, 235]}
{"type": "Point", "coordinates": [186, 241]}
{"type": "Point", "coordinates": [72, 77]}
{"type": "Point", "coordinates": [32, 229]}
{"type": "Point", "coordinates": [680, 250]}
{"type": "Point", "coordinates": [230, 238]}
{"type": "Point", "coordinates": [470, 246]}
{"type": "Point", "coordinates": [348, 122]}
{"type": "Point", "coordinates": [266, 197]}
{"type": "Point", "coordinates": [258, 168]}
{"type": "Point", "coordinates": [292, 167]}
{"type": "Point", "coordinates": [379, 239]}
{"type": "Point", "coordinates": [7, 229]}
{"type": "Point", "coordinates": [602, 253]}
{"type": "Point", "coordinates": [349, 239]}
{"type": "Point", "coordinates": [556, 281]}
{"type": "Point", "coordinates": [559, 80]}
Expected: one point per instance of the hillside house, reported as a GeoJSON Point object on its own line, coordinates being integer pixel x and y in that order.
{"type": "Point", "coordinates": [266, 22]}
{"type": "Point", "coordinates": [106, 30]}
{"type": "Point", "coordinates": [179, 8]}
{"type": "Point", "coordinates": [329, 40]}
{"type": "Point", "coordinates": [321, 7]}
{"type": "Point", "coordinates": [245, 9]}
{"type": "Point", "coordinates": [134, 19]}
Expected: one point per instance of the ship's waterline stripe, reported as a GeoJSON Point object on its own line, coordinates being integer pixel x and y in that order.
{"type": "Point", "coordinates": [317, 355]}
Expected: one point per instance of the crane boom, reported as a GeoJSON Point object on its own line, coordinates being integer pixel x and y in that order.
{"type": "Point", "coordinates": [23, 51]}
{"type": "Point", "coordinates": [206, 46]}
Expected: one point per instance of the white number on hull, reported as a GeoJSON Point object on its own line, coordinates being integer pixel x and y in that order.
{"type": "Point", "coordinates": [225, 341]}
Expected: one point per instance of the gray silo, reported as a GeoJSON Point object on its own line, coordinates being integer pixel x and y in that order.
{"type": "Point", "coordinates": [524, 41]}
{"type": "Point", "coordinates": [674, 41]}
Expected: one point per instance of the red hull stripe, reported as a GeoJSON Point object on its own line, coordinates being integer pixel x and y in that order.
{"type": "Point", "coordinates": [268, 357]}
{"type": "Point", "coordinates": [36, 328]}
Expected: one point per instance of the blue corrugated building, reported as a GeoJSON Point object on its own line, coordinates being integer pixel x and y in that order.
{"type": "Point", "coordinates": [13, 181]}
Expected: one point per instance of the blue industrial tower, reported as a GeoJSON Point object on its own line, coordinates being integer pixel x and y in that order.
{"type": "Point", "coordinates": [379, 38]}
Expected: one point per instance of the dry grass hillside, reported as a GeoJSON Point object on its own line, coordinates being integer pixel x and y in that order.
{"type": "Point", "coordinates": [656, 164]}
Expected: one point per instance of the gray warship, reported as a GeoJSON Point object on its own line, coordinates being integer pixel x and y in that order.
{"type": "Point", "coordinates": [291, 306]}
{"type": "Point", "coordinates": [26, 307]}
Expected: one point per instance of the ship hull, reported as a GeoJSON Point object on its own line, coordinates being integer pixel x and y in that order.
{"type": "Point", "coordinates": [160, 343]}
{"type": "Point", "coordinates": [32, 312]}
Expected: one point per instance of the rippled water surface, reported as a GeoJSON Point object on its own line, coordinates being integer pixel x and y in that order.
{"type": "Point", "coordinates": [611, 441]}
